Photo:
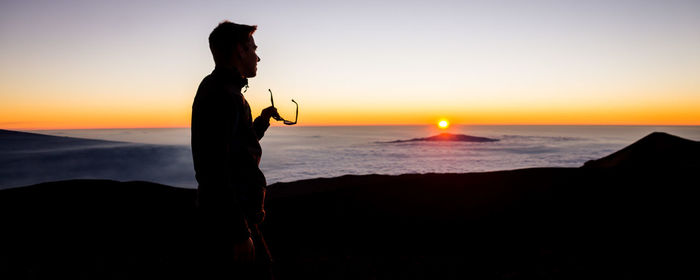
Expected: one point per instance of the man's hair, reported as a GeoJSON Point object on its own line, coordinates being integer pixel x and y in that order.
{"type": "Point", "coordinates": [224, 38]}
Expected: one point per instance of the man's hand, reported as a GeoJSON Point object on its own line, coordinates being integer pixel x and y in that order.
{"type": "Point", "coordinates": [244, 252]}
{"type": "Point", "coordinates": [270, 112]}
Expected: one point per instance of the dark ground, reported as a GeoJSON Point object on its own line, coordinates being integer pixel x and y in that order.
{"type": "Point", "coordinates": [618, 221]}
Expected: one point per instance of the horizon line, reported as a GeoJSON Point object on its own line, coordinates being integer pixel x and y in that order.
{"type": "Point", "coordinates": [363, 125]}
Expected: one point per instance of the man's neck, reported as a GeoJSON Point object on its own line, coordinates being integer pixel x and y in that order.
{"type": "Point", "coordinates": [229, 68]}
{"type": "Point", "coordinates": [230, 73]}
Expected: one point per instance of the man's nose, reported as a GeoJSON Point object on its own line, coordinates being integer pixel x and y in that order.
{"type": "Point", "coordinates": [258, 57]}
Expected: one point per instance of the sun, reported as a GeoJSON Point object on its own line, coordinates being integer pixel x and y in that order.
{"type": "Point", "coordinates": [443, 124]}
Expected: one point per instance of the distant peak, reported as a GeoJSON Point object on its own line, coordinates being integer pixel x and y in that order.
{"type": "Point", "coordinates": [656, 150]}
{"type": "Point", "coordinates": [446, 137]}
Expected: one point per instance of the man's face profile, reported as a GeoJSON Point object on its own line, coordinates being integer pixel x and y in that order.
{"type": "Point", "coordinates": [248, 59]}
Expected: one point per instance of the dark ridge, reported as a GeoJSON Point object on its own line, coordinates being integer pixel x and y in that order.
{"type": "Point", "coordinates": [17, 141]}
{"type": "Point", "coordinates": [448, 137]}
{"type": "Point", "coordinates": [656, 150]}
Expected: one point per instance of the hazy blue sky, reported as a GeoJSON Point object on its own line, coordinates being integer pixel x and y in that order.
{"type": "Point", "coordinates": [138, 63]}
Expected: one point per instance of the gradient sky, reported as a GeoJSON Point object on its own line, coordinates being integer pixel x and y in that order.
{"type": "Point", "coordinates": [121, 64]}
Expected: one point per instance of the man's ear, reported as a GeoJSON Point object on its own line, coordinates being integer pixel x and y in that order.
{"type": "Point", "coordinates": [240, 50]}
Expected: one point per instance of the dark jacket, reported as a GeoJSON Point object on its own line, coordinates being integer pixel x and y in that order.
{"type": "Point", "coordinates": [226, 154]}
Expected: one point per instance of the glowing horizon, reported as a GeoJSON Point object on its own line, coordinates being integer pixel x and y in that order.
{"type": "Point", "coordinates": [107, 120]}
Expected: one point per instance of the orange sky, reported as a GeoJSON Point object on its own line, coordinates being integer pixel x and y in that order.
{"type": "Point", "coordinates": [77, 118]}
{"type": "Point", "coordinates": [559, 62]}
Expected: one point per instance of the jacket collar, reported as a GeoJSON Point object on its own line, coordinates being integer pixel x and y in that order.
{"type": "Point", "coordinates": [229, 75]}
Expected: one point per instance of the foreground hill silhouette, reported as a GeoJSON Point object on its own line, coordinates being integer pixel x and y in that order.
{"type": "Point", "coordinates": [597, 222]}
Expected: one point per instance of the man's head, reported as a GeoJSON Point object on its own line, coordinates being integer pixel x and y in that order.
{"type": "Point", "coordinates": [232, 46]}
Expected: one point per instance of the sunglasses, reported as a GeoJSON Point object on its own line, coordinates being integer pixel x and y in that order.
{"type": "Point", "coordinates": [278, 118]}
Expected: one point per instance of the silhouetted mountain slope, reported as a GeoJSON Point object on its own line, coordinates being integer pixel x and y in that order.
{"type": "Point", "coordinates": [656, 150]}
{"type": "Point", "coordinates": [17, 141]}
{"type": "Point", "coordinates": [560, 223]}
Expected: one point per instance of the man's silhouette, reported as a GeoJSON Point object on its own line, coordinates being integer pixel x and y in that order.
{"type": "Point", "coordinates": [226, 153]}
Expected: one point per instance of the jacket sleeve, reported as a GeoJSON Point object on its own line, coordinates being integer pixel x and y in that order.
{"type": "Point", "coordinates": [213, 123]}
{"type": "Point", "coordinates": [260, 125]}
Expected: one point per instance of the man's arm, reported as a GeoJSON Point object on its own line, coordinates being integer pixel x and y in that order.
{"type": "Point", "coordinates": [260, 125]}
{"type": "Point", "coordinates": [262, 122]}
